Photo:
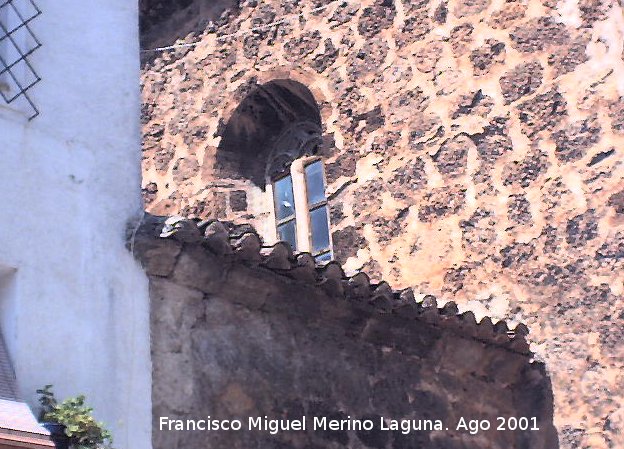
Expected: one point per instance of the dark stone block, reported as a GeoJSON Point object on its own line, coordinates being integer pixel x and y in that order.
{"type": "Point", "coordinates": [440, 13]}
{"type": "Point", "coordinates": [416, 27]}
{"type": "Point", "coordinates": [524, 172]}
{"type": "Point", "coordinates": [442, 202]}
{"type": "Point", "coordinates": [321, 62]}
{"type": "Point", "coordinates": [460, 37]}
{"type": "Point", "coordinates": [238, 200]}
{"type": "Point", "coordinates": [582, 228]}
{"type": "Point", "coordinates": [408, 179]}
{"type": "Point", "coordinates": [565, 59]}
{"type": "Point", "coordinates": [473, 103]}
{"type": "Point", "coordinates": [518, 209]}
{"type": "Point", "coordinates": [542, 112]}
{"type": "Point", "coordinates": [616, 201]}
{"type": "Point", "coordinates": [344, 165]}
{"type": "Point", "coordinates": [484, 57]}
{"type": "Point", "coordinates": [616, 112]}
{"type": "Point", "coordinates": [376, 18]}
{"type": "Point", "coordinates": [516, 254]}
{"type": "Point", "coordinates": [538, 34]}
{"type": "Point", "coordinates": [523, 80]}
{"type": "Point", "coordinates": [593, 11]}
{"type": "Point", "coordinates": [346, 243]}
{"type": "Point", "coordinates": [452, 157]}
{"type": "Point", "coordinates": [574, 141]}
{"type": "Point", "coordinates": [297, 48]}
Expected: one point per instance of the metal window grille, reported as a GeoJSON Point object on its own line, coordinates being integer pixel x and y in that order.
{"type": "Point", "coordinates": [17, 43]}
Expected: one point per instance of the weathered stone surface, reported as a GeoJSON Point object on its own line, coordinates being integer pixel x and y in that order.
{"type": "Point", "coordinates": [376, 18]}
{"type": "Point", "coordinates": [470, 7]}
{"type": "Point", "coordinates": [160, 259]}
{"type": "Point", "coordinates": [574, 141]}
{"type": "Point", "coordinates": [197, 269]}
{"type": "Point", "coordinates": [538, 34]}
{"type": "Point", "coordinates": [522, 80]}
{"type": "Point", "coordinates": [493, 52]}
{"type": "Point", "coordinates": [452, 156]}
{"type": "Point", "coordinates": [346, 243]}
{"type": "Point", "coordinates": [263, 345]}
{"type": "Point", "coordinates": [460, 38]}
{"type": "Point", "coordinates": [519, 209]}
{"type": "Point", "coordinates": [441, 203]}
{"type": "Point", "coordinates": [565, 58]}
{"type": "Point", "coordinates": [616, 112]}
{"type": "Point", "coordinates": [527, 170]}
{"type": "Point", "coordinates": [544, 111]}
{"type": "Point", "coordinates": [508, 14]}
{"type": "Point", "coordinates": [541, 160]}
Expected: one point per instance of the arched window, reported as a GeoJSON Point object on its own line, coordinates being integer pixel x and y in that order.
{"type": "Point", "coordinates": [272, 140]}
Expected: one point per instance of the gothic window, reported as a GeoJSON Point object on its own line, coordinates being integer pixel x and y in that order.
{"type": "Point", "coordinates": [301, 210]}
{"type": "Point", "coordinates": [273, 139]}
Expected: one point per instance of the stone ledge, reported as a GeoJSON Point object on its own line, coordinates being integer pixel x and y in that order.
{"type": "Point", "coordinates": [214, 256]}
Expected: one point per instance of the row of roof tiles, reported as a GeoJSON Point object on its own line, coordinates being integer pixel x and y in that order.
{"type": "Point", "coordinates": [242, 243]}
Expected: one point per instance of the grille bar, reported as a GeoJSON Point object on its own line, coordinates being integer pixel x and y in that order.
{"type": "Point", "coordinates": [17, 44]}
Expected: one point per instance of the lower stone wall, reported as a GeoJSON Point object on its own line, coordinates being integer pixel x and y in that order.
{"type": "Point", "coordinates": [238, 334]}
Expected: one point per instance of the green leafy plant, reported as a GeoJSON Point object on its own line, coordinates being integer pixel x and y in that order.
{"type": "Point", "coordinates": [83, 430]}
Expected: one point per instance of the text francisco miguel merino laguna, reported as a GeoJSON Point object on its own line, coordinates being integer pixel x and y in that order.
{"type": "Point", "coordinates": [405, 426]}
{"type": "Point", "coordinates": [274, 426]}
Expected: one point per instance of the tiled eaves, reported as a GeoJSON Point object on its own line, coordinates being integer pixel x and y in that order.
{"type": "Point", "coordinates": [240, 244]}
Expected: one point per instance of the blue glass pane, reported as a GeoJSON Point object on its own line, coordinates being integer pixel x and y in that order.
{"type": "Point", "coordinates": [319, 229]}
{"type": "Point", "coordinates": [284, 198]}
{"type": "Point", "coordinates": [315, 183]}
{"type": "Point", "coordinates": [323, 258]}
{"type": "Point", "coordinates": [287, 232]}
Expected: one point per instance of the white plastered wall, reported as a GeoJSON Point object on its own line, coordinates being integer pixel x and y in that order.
{"type": "Point", "coordinates": [77, 312]}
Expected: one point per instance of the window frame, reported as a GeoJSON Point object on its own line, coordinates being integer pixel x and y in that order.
{"type": "Point", "coordinates": [290, 218]}
{"type": "Point", "coordinates": [318, 205]}
{"type": "Point", "coordinates": [303, 210]}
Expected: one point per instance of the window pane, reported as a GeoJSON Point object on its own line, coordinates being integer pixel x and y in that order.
{"type": "Point", "coordinates": [287, 232]}
{"type": "Point", "coordinates": [315, 184]}
{"type": "Point", "coordinates": [323, 258]}
{"type": "Point", "coordinates": [319, 229]}
{"type": "Point", "coordinates": [284, 198]}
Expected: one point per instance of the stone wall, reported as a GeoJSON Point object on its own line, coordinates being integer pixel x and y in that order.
{"type": "Point", "coordinates": [241, 332]}
{"type": "Point", "coordinates": [473, 152]}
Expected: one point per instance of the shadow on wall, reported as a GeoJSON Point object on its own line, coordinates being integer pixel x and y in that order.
{"type": "Point", "coordinates": [274, 124]}
{"type": "Point", "coordinates": [162, 22]}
